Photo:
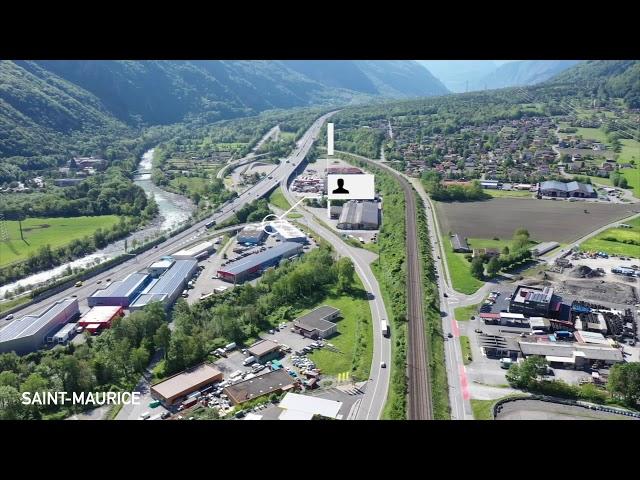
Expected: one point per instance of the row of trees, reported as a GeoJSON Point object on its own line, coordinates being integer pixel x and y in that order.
{"type": "Point", "coordinates": [623, 384]}
{"type": "Point", "coordinates": [432, 182]}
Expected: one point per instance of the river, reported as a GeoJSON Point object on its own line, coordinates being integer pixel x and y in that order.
{"type": "Point", "coordinates": [173, 210]}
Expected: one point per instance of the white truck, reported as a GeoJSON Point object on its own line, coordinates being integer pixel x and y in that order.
{"type": "Point", "coordinates": [249, 360]}
{"type": "Point", "coordinates": [384, 326]}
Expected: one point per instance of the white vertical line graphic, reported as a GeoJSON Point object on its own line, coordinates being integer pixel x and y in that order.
{"type": "Point", "coordinates": [329, 138]}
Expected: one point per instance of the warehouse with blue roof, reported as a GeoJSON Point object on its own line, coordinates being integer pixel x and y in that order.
{"type": "Point", "coordinates": [241, 270]}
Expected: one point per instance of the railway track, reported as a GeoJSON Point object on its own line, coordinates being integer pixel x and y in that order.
{"type": "Point", "coordinates": [419, 389]}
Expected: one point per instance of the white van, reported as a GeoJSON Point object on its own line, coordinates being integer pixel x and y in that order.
{"type": "Point", "coordinates": [145, 416]}
{"type": "Point", "coordinates": [230, 346]}
{"type": "Point", "coordinates": [249, 360]}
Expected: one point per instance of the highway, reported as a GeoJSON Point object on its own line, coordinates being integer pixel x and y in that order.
{"type": "Point", "coordinates": [375, 396]}
{"type": "Point", "coordinates": [171, 245]}
{"type": "Point", "coordinates": [250, 157]}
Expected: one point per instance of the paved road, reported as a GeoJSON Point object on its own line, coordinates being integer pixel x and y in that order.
{"type": "Point", "coordinates": [375, 396]}
{"type": "Point", "coordinates": [138, 262]}
{"type": "Point", "coordinates": [251, 156]}
{"type": "Point", "coordinates": [458, 385]}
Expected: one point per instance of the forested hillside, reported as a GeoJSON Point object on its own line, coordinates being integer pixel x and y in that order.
{"type": "Point", "coordinates": [604, 79]}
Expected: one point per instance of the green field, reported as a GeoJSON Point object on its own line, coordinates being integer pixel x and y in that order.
{"type": "Point", "coordinates": [603, 241]}
{"type": "Point", "coordinates": [630, 151]}
{"type": "Point", "coordinates": [463, 314]}
{"type": "Point", "coordinates": [508, 193]}
{"type": "Point", "coordinates": [482, 409]}
{"type": "Point", "coordinates": [354, 339]}
{"type": "Point", "coordinates": [460, 270]}
{"type": "Point", "coordinates": [465, 344]}
{"type": "Point", "coordinates": [277, 198]}
{"type": "Point", "coordinates": [592, 134]}
{"type": "Point", "coordinates": [56, 232]}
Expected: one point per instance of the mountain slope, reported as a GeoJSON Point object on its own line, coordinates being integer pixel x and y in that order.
{"type": "Point", "coordinates": [614, 78]}
{"type": "Point", "coordinates": [456, 73]}
{"type": "Point", "coordinates": [37, 107]}
{"type": "Point", "coordinates": [43, 101]}
{"type": "Point", "coordinates": [525, 72]}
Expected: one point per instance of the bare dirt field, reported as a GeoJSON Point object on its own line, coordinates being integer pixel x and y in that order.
{"type": "Point", "coordinates": [537, 410]}
{"type": "Point", "coordinates": [546, 220]}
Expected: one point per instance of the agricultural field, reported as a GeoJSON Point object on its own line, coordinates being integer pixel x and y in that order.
{"type": "Point", "coordinates": [354, 339]}
{"type": "Point", "coordinates": [546, 220]}
{"type": "Point", "coordinates": [612, 241]}
{"type": "Point", "coordinates": [596, 134]}
{"type": "Point", "coordinates": [56, 232]}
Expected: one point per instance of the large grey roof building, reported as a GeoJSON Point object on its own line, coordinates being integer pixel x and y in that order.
{"type": "Point", "coordinates": [459, 244]}
{"type": "Point", "coordinates": [243, 268]}
{"type": "Point", "coordinates": [553, 188]}
{"type": "Point", "coordinates": [168, 287]}
{"type": "Point", "coordinates": [317, 323]}
{"type": "Point", "coordinates": [30, 332]}
{"type": "Point", "coordinates": [120, 293]}
{"type": "Point", "coordinates": [359, 216]}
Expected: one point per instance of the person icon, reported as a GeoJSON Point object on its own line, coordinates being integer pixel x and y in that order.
{"type": "Point", "coordinates": [340, 188]}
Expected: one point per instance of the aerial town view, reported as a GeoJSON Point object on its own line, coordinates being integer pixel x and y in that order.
{"type": "Point", "coordinates": [319, 240]}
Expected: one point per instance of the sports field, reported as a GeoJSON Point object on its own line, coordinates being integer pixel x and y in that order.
{"type": "Point", "coordinates": [546, 220]}
{"type": "Point", "coordinates": [53, 231]}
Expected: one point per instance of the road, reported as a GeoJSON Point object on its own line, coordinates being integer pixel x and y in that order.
{"type": "Point", "coordinates": [375, 395]}
{"type": "Point", "coordinates": [171, 245]}
{"type": "Point", "coordinates": [420, 405]}
{"type": "Point", "coordinates": [456, 375]}
{"type": "Point", "coordinates": [250, 157]}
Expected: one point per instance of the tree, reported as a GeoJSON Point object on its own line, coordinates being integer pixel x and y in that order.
{"type": "Point", "coordinates": [624, 382]}
{"type": "Point", "coordinates": [346, 273]}
{"type": "Point", "coordinates": [525, 374]}
{"type": "Point", "coordinates": [505, 250]}
{"type": "Point", "coordinates": [162, 338]}
{"type": "Point", "coordinates": [9, 379]}
{"type": "Point", "coordinates": [623, 182]}
{"type": "Point", "coordinates": [477, 268]}
{"type": "Point", "coordinates": [10, 404]}
{"type": "Point", "coordinates": [493, 267]}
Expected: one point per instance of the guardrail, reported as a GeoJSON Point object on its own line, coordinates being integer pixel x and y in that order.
{"type": "Point", "coordinates": [497, 407]}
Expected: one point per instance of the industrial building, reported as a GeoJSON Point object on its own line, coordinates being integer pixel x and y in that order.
{"type": "Point", "coordinates": [30, 332]}
{"type": "Point", "coordinates": [317, 323]}
{"type": "Point", "coordinates": [459, 244]}
{"type": "Point", "coordinates": [305, 407]}
{"type": "Point", "coordinates": [264, 350]}
{"type": "Point", "coordinates": [198, 251]}
{"type": "Point", "coordinates": [493, 184]}
{"type": "Point", "coordinates": [287, 232]}
{"type": "Point", "coordinates": [182, 384]}
{"type": "Point", "coordinates": [544, 247]}
{"type": "Point", "coordinates": [276, 381]}
{"type": "Point", "coordinates": [100, 318]}
{"type": "Point", "coordinates": [569, 354]}
{"type": "Point", "coordinates": [158, 268]}
{"type": "Point", "coordinates": [532, 301]}
{"type": "Point", "coordinates": [253, 234]}
{"type": "Point", "coordinates": [120, 293]}
{"type": "Point", "coordinates": [359, 215]}
{"type": "Point", "coordinates": [239, 271]}
{"type": "Point", "coordinates": [554, 188]}
{"type": "Point", "coordinates": [168, 287]}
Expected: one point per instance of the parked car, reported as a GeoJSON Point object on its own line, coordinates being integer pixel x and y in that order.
{"type": "Point", "coordinates": [383, 365]}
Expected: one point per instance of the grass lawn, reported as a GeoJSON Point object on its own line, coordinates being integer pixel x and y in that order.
{"type": "Point", "coordinates": [354, 338]}
{"type": "Point", "coordinates": [630, 151]}
{"type": "Point", "coordinates": [294, 215]}
{"type": "Point", "coordinates": [460, 270]}
{"type": "Point", "coordinates": [603, 241]}
{"type": "Point", "coordinates": [467, 357]}
{"type": "Point", "coordinates": [592, 134]}
{"type": "Point", "coordinates": [14, 302]}
{"type": "Point", "coordinates": [188, 185]}
{"type": "Point", "coordinates": [601, 180]}
{"type": "Point", "coordinates": [56, 232]}
{"type": "Point", "coordinates": [482, 409]}
{"type": "Point", "coordinates": [509, 193]}
{"type": "Point", "coordinates": [277, 198]}
{"type": "Point", "coordinates": [463, 314]}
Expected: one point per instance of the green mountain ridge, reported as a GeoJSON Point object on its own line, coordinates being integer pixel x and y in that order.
{"type": "Point", "coordinates": [43, 102]}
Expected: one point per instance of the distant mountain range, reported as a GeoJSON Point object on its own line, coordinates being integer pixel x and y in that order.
{"type": "Point", "coordinates": [41, 99]}
{"type": "Point", "coordinates": [463, 75]}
